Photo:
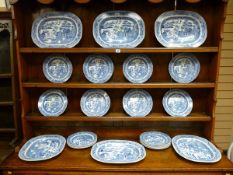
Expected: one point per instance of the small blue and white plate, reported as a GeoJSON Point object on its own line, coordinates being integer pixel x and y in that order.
{"type": "Point", "coordinates": [98, 68]}
{"type": "Point", "coordinates": [95, 103]}
{"type": "Point", "coordinates": [177, 103]}
{"type": "Point", "coordinates": [56, 30]}
{"type": "Point", "coordinates": [52, 102]}
{"type": "Point", "coordinates": [57, 68]}
{"type": "Point", "coordinates": [137, 103]}
{"type": "Point", "coordinates": [118, 29]}
{"type": "Point", "coordinates": [42, 147]}
{"type": "Point", "coordinates": [155, 140]}
{"type": "Point", "coordinates": [81, 140]}
{"type": "Point", "coordinates": [196, 149]}
{"type": "Point", "coordinates": [137, 68]}
{"type": "Point", "coordinates": [184, 68]}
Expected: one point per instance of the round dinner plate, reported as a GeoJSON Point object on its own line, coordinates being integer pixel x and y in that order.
{"type": "Point", "coordinates": [177, 103]}
{"type": "Point", "coordinates": [52, 102]}
{"type": "Point", "coordinates": [137, 68]}
{"type": "Point", "coordinates": [155, 140]}
{"type": "Point", "coordinates": [95, 103]}
{"type": "Point", "coordinates": [98, 68]}
{"type": "Point", "coordinates": [57, 68]}
{"type": "Point", "coordinates": [184, 68]}
{"type": "Point", "coordinates": [81, 140]}
{"type": "Point", "coordinates": [137, 103]}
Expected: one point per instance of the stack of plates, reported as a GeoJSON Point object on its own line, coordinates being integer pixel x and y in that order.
{"type": "Point", "coordinates": [155, 140]}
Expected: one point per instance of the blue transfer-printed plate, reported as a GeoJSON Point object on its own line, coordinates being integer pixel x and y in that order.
{"type": "Point", "coordinates": [155, 140]}
{"type": "Point", "coordinates": [52, 103]}
{"type": "Point", "coordinates": [95, 103]}
{"type": "Point", "coordinates": [177, 103]}
{"type": "Point", "coordinates": [56, 30]}
{"type": "Point", "coordinates": [118, 29]}
{"type": "Point", "coordinates": [180, 29]}
{"type": "Point", "coordinates": [118, 152]}
{"type": "Point", "coordinates": [42, 147]}
{"type": "Point", "coordinates": [81, 140]}
{"type": "Point", "coordinates": [98, 68]}
{"type": "Point", "coordinates": [57, 68]}
{"type": "Point", "coordinates": [137, 68]}
{"type": "Point", "coordinates": [196, 149]}
{"type": "Point", "coordinates": [184, 68]}
{"type": "Point", "coordinates": [137, 103]}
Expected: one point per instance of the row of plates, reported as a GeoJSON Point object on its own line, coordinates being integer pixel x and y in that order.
{"type": "Point", "coordinates": [137, 68]}
{"type": "Point", "coordinates": [136, 103]}
{"type": "Point", "coordinates": [190, 147]}
{"type": "Point", "coordinates": [119, 29]}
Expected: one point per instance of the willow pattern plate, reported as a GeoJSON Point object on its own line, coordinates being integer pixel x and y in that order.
{"type": "Point", "coordinates": [81, 140]}
{"type": "Point", "coordinates": [184, 68]}
{"type": "Point", "coordinates": [196, 149]}
{"type": "Point", "coordinates": [42, 147]}
{"type": "Point", "coordinates": [98, 68]}
{"type": "Point", "coordinates": [57, 68]}
{"type": "Point", "coordinates": [118, 29]}
{"type": "Point", "coordinates": [137, 68]}
{"type": "Point", "coordinates": [177, 103]}
{"type": "Point", "coordinates": [56, 30]}
{"type": "Point", "coordinates": [52, 102]}
{"type": "Point", "coordinates": [137, 103]}
{"type": "Point", "coordinates": [155, 140]}
{"type": "Point", "coordinates": [118, 152]}
{"type": "Point", "coordinates": [95, 103]}
{"type": "Point", "coordinates": [180, 29]}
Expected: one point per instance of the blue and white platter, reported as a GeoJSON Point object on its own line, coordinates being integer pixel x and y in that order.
{"type": "Point", "coordinates": [118, 29]}
{"type": "Point", "coordinates": [137, 68]}
{"type": "Point", "coordinates": [137, 103]}
{"type": "Point", "coordinates": [57, 68]}
{"type": "Point", "coordinates": [196, 149]}
{"type": "Point", "coordinates": [42, 147]}
{"type": "Point", "coordinates": [81, 140]}
{"type": "Point", "coordinates": [98, 68]}
{"type": "Point", "coordinates": [155, 140]}
{"type": "Point", "coordinates": [177, 103]}
{"type": "Point", "coordinates": [52, 102]}
{"type": "Point", "coordinates": [118, 152]}
{"type": "Point", "coordinates": [95, 103]}
{"type": "Point", "coordinates": [180, 29]}
{"type": "Point", "coordinates": [56, 30]}
{"type": "Point", "coordinates": [184, 68]}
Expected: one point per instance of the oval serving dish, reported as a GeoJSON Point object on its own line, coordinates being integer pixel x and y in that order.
{"type": "Point", "coordinates": [180, 29]}
{"type": "Point", "coordinates": [118, 29]}
{"type": "Point", "coordinates": [118, 152]}
{"type": "Point", "coordinates": [56, 30]}
{"type": "Point", "coordinates": [42, 147]}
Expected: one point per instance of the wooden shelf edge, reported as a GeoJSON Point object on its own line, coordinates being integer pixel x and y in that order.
{"type": "Point", "coordinates": [117, 85]}
{"type": "Point", "coordinates": [7, 75]}
{"type": "Point", "coordinates": [5, 130]}
{"type": "Point", "coordinates": [6, 103]}
{"type": "Point", "coordinates": [116, 50]}
{"type": "Point", "coordinates": [156, 117]}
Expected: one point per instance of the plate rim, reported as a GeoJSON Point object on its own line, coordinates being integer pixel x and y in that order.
{"type": "Point", "coordinates": [203, 140]}
{"type": "Point", "coordinates": [25, 146]}
{"type": "Point", "coordinates": [63, 14]}
{"type": "Point", "coordinates": [101, 56]}
{"type": "Point", "coordinates": [47, 92]}
{"type": "Point", "coordinates": [180, 12]}
{"type": "Point", "coordinates": [50, 78]}
{"type": "Point", "coordinates": [81, 133]}
{"type": "Point", "coordinates": [121, 13]}
{"type": "Point", "coordinates": [140, 56]}
{"type": "Point", "coordinates": [95, 146]}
